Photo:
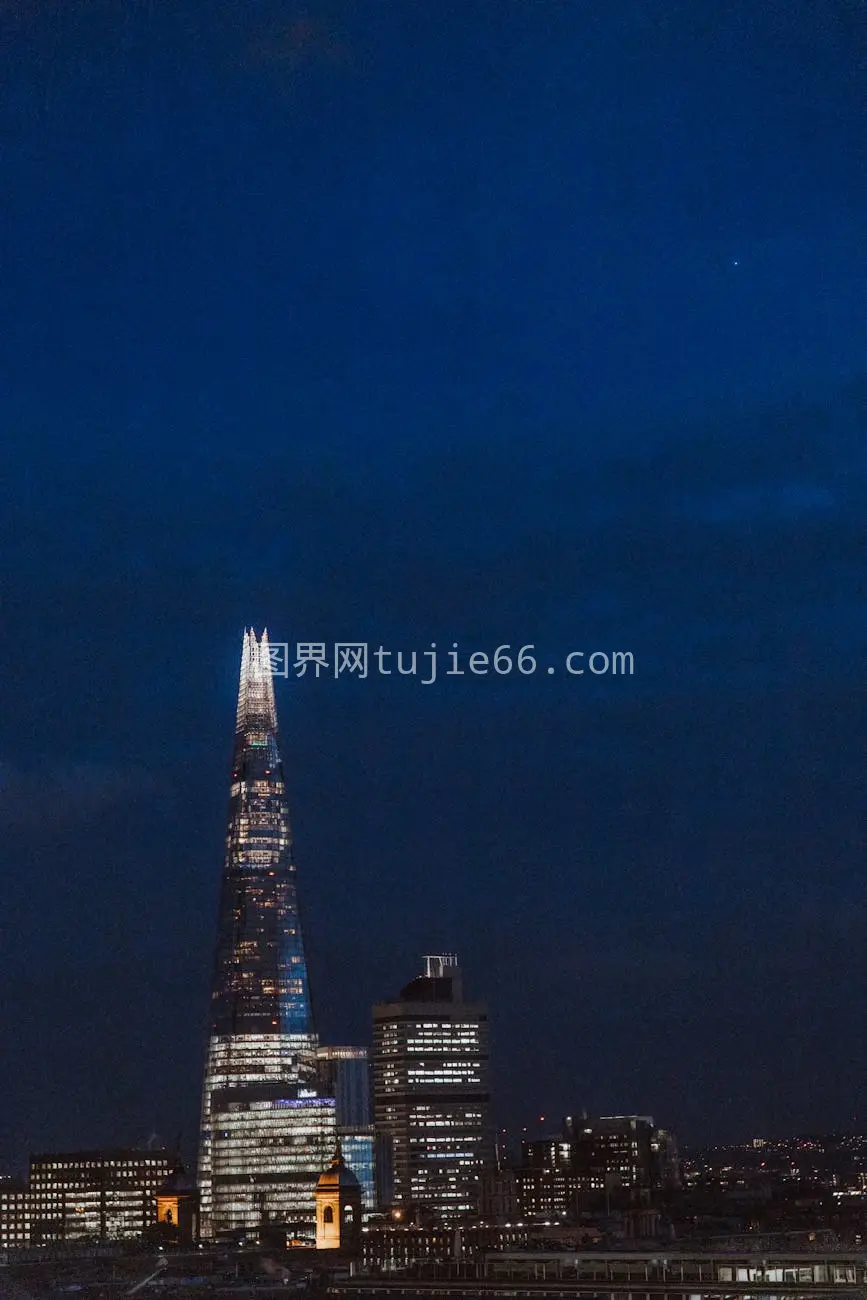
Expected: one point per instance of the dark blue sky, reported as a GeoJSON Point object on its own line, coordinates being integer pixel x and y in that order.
{"type": "Point", "coordinates": [489, 322]}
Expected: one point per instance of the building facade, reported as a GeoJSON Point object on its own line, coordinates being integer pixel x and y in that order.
{"type": "Point", "coordinates": [591, 1163]}
{"type": "Point", "coordinates": [268, 1127]}
{"type": "Point", "coordinates": [344, 1072]}
{"type": "Point", "coordinates": [387, 1246]}
{"type": "Point", "coordinates": [615, 1151]}
{"type": "Point", "coordinates": [431, 1097]}
{"type": "Point", "coordinates": [106, 1195]}
{"type": "Point", "coordinates": [529, 1194]}
{"type": "Point", "coordinates": [14, 1214]}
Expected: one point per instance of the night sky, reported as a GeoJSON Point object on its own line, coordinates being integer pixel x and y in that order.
{"type": "Point", "coordinates": [462, 320]}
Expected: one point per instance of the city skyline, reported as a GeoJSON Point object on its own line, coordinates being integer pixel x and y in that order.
{"type": "Point", "coordinates": [256, 707]}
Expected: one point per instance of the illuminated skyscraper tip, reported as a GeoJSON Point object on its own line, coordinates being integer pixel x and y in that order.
{"type": "Point", "coordinates": [256, 708]}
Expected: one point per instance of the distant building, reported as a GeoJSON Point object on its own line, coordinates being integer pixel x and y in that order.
{"type": "Point", "coordinates": [615, 1151]}
{"type": "Point", "coordinates": [592, 1163]}
{"type": "Point", "coordinates": [431, 1098]}
{"type": "Point", "coordinates": [105, 1195]}
{"type": "Point", "coordinates": [14, 1214]}
{"type": "Point", "coordinates": [547, 1153]}
{"type": "Point", "coordinates": [528, 1194]}
{"type": "Point", "coordinates": [499, 1197]}
{"type": "Point", "coordinates": [621, 1151]}
{"type": "Point", "coordinates": [344, 1072]}
{"type": "Point", "coordinates": [665, 1154]}
{"type": "Point", "coordinates": [359, 1153]}
{"type": "Point", "coordinates": [546, 1194]}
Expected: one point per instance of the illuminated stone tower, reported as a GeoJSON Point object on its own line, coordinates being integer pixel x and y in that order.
{"type": "Point", "coordinates": [338, 1208]}
{"type": "Point", "coordinates": [267, 1127]}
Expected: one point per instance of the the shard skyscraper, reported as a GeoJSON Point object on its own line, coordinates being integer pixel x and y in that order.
{"type": "Point", "coordinates": [267, 1128]}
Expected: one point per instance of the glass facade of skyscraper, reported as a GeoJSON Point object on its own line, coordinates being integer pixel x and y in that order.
{"type": "Point", "coordinates": [271, 1142]}
{"type": "Point", "coordinates": [268, 1129]}
{"type": "Point", "coordinates": [345, 1073]}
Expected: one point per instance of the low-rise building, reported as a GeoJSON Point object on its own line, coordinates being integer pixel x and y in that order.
{"type": "Point", "coordinates": [104, 1195]}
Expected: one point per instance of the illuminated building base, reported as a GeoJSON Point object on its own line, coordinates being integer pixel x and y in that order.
{"type": "Point", "coordinates": [269, 1144]}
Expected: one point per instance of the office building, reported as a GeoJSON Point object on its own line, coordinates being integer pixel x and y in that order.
{"type": "Point", "coordinates": [529, 1194]}
{"type": "Point", "coordinates": [614, 1151]}
{"type": "Point", "coordinates": [108, 1195]}
{"type": "Point", "coordinates": [431, 1098]}
{"type": "Point", "coordinates": [623, 1154]}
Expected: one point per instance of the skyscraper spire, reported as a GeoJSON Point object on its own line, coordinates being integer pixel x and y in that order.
{"type": "Point", "coordinates": [259, 1091]}
{"type": "Point", "coordinates": [256, 707]}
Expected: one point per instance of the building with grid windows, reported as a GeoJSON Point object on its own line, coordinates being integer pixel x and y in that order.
{"type": "Point", "coordinates": [431, 1098]}
{"type": "Point", "coordinates": [610, 1159]}
{"type": "Point", "coordinates": [96, 1195]}
{"type": "Point", "coordinates": [14, 1214]}
{"type": "Point", "coordinates": [612, 1151]}
{"type": "Point", "coordinates": [268, 1127]}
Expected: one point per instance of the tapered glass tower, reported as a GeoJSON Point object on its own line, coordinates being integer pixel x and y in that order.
{"type": "Point", "coordinates": [268, 1129]}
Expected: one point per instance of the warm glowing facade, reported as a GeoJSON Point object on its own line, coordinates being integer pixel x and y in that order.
{"type": "Point", "coordinates": [338, 1208]}
{"type": "Point", "coordinates": [267, 1126]}
{"type": "Point", "coordinates": [431, 1103]}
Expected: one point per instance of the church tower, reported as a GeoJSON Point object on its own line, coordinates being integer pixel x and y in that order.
{"type": "Point", "coordinates": [338, 1208]}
